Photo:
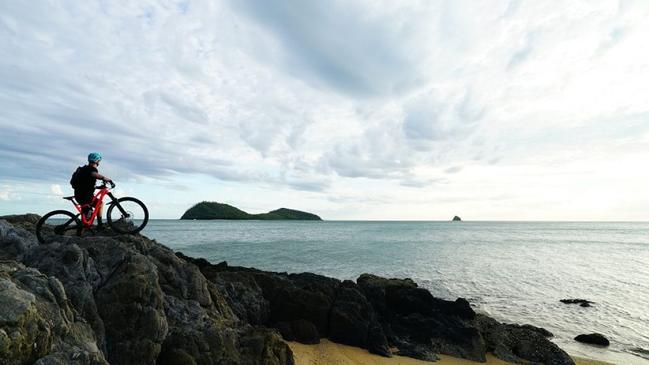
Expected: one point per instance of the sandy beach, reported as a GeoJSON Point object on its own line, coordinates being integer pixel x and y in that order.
{"type": "Point", "coordinates": [329, 353]}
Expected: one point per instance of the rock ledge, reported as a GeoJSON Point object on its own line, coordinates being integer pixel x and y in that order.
{"type": "Point", "coordinates": [123, 299]}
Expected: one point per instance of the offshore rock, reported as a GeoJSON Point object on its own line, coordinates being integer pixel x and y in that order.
{"type": "Point", "coordinates": [593, 339]}
{"type": "Point", "coordinates": [581, 302]}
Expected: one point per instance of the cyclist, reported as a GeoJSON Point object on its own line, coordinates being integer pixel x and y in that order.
{"type": "Point", "coordinates": [84, 186]}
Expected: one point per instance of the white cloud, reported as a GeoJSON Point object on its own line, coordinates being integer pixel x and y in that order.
{"type": "Point", "coordinates": [414, 102]}
{"type": "Point", "coordinates": [56, 189]}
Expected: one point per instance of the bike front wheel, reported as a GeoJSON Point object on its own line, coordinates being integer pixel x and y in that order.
{"type": "Point", "coordinates": [127, 215]}
{"type": "Point", "coordinates": [56, 224]}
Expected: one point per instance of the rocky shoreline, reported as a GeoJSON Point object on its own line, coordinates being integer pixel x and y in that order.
{"type": "Point", "coordinates": [121, 299]}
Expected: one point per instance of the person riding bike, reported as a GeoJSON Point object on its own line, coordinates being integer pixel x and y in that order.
{"type": "Point", "coordinates": [84, 185]}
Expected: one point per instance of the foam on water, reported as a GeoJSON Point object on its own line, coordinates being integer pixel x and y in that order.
{"type": "Point", "coordinates": [514, 271]}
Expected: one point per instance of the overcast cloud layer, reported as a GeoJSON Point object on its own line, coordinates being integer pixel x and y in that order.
{"type": "Point", "coordinates": [352, 110]}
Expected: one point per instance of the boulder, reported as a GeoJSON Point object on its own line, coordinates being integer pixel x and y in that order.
{"type": "Point", "coordinates": [520, 344]}
{"type": "Point", "coordinates": [299, 330]}
{"type": "Point", "coordinates": [25, 221]}
{"type": "Point", "coordinates": [15, 242]}
{"type": "Point", "coordinates": [593, 339]}
{"type": "Point", "coordinates": [353, 321]}
{"type": "Point", "coordinates": [37, 324]}
{"type": "Point", "coordinates": [420, 325]}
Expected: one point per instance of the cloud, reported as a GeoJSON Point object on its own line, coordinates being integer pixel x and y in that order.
{"type": "Point", "coordinates": [343, 46]}
{"type": "Point", "coordinates": [56, 189]}
{"type": "Point", "coordinates": [523, 52]}
{"type": "Point", "coordinates": [453, 169]}
{"type": "Point", "coordinates": [318, 100]}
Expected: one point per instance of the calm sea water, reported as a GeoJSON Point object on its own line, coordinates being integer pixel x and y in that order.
{"type": "Point", "coordinates": [513, 271]}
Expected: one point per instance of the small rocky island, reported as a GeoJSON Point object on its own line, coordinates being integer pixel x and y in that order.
{"type": "Point", "coordinates": [457, 219]}
{"type": "Point", "coordinates": [214, 210]}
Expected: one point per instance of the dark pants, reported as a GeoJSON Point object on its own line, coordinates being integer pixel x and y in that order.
{"type": "Point", "coordinates": [85, 199]}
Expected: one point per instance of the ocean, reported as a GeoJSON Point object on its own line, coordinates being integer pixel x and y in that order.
{"type": "Point", "coordinates": [514, 271]}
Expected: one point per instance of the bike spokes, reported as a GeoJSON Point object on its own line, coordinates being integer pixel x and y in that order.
{"type": "Point", "coordinates": [59, 223]}
{"type": "Point", "coordinates": [127, 215]}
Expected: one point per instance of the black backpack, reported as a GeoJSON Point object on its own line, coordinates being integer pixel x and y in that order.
{"type": "Point", "coordinates": [75, 180]}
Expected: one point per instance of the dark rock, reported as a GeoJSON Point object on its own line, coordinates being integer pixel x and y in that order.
{"type": "Point", "coordinates": [244, 297]}
{"type": "Point", "coordinates": [289, 297]}
{"type": "Point", "coordinates": [456, 219]}
{"type": "Point", "coordinates": [593, 339]}
{"type": "Point", "coordinates": [353, 321]}
{"type": "Point", "coordinates": [15, 242]}
{"type": "Point", "coordinates": [37, 324]}
{"type": "Point", "coordinates": [520, 344]}
{"type": "Point", "coordinates": [130, 300]}
{"type": "Point", "coordinates": [299, 330]}
{"type": "Point", "coordinates": [418, 323]}
{"type": "Point", "coordinates": [300, 296]}
{"type": "Point", "coordinates": [644, 353]}
{"type": "Point", "coordinates": [581, 302]}
{"type": "Point", "coordinates": [542, 331]}
{"type": "Point", "coordinates": [263, 346]}
{"type": "Point", "coordinates": [24, 221]}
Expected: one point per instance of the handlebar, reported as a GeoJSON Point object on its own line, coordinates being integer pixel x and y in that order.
{"type": "Point", "coordinates": [102, 186]}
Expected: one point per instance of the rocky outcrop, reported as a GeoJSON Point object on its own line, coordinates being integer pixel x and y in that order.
{"type": "Point", "coordinates": [38, 324]}
{"type": "Point", "coordinates": [581, 302]}
{"type": "Point", "coordinates": [131, 301]}
{"type": "Point", "coordinates": [125, 299]}
{"type": "Point", "coordinates": [593, 339]}
{"type": "Point", "coordinates": [456, 219]}
{"type": "Point", "coordinates": [377, 314]}
{"type": "Point", "coordinates": [520, 344]}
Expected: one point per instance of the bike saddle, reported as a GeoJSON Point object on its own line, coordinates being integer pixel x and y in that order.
{"type": "Point", "coordinates": [68, 198]}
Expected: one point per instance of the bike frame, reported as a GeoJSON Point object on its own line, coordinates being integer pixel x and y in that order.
{"type": "Point", "coordinates": [98, 199]}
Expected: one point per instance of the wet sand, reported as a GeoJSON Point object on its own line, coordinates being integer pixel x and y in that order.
{"type": "Point", "coordinates": [329, 353]}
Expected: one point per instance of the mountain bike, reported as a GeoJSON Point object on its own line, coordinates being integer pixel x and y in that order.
{"type": "Point", "coordinates": [124, 215]}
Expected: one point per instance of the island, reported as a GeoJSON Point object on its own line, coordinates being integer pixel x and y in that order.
{"type": "Point", "coordinates": [457, 219]}
{"type": "Point", "coordinates": [214, 210]}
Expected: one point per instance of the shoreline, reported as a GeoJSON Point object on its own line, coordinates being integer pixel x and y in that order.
{"type": "Point", "coordinates": [327, 352]}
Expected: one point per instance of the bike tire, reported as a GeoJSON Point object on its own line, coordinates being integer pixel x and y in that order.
{"type": "Point", "coordinates": [120, 227]}
{"type": "Point", "coordinates": [43, 233]}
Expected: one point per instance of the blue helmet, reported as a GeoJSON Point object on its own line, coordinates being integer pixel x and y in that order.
{"type": "Point", "coordinates": [94, 157]}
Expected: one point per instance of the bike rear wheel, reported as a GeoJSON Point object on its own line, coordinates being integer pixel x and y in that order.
{"type": "Point", "coordinates": [56, 224]}
{"type": "Point", "coordinates": [127, 215]}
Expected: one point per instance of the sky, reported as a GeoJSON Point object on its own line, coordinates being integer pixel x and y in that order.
{"type": "Point", "coordinates": [404, 110]}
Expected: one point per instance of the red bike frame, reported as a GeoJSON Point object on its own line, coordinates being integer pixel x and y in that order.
{"type": "Point", "coordinates": [97, 199]}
